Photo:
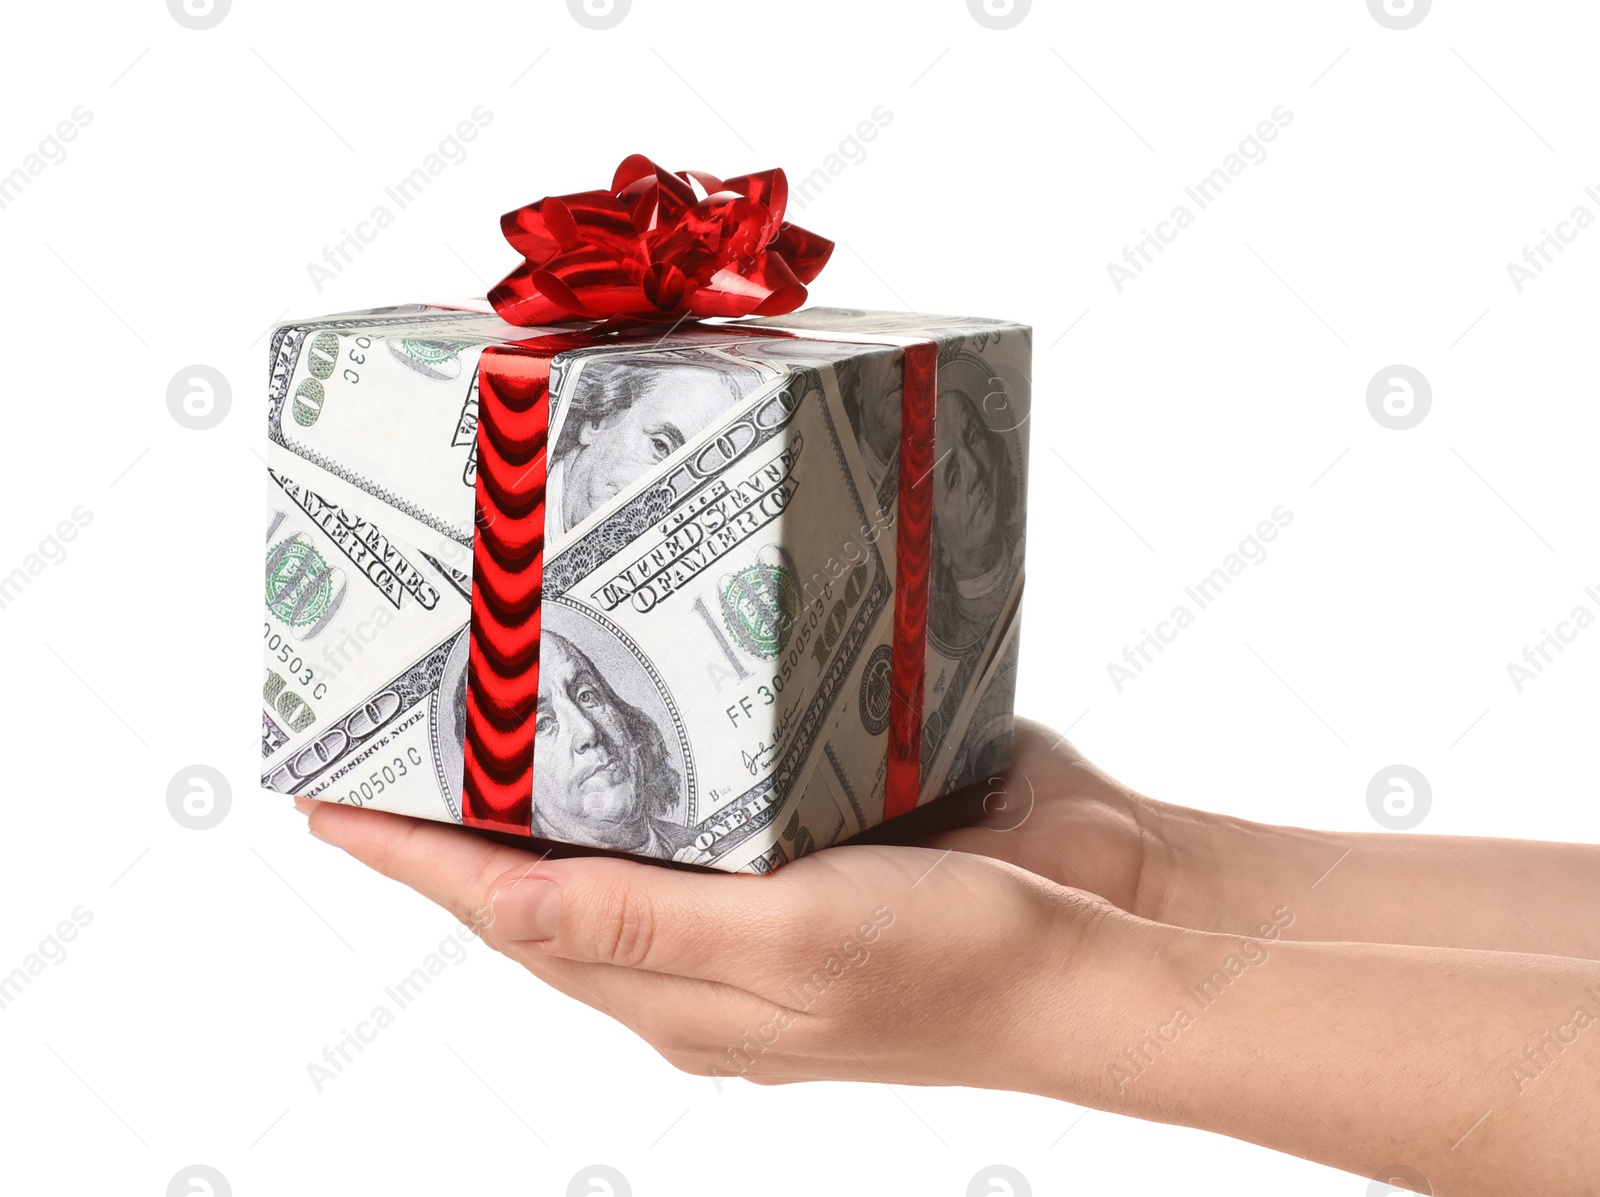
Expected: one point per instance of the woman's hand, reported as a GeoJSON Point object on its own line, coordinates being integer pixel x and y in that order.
{"type": "Point", "coordinates": [934, 965]}
{"type": "Point", "coordinates": [907, 965]}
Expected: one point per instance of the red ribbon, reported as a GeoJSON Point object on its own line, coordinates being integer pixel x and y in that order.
{"type": "Point", "coordinates": [913, 561]}
{"type": "Point", "coordinates": [653, 249]}
{"type": "Point", "coordinates": [646, 251]}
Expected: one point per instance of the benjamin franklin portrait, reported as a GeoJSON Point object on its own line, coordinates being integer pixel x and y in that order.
{"type": "Point", "coordinates": [626, 414]}
{"type": "Point", "coordinates": [977, 510]}
{"type": "Point", "coordinates": [604, 772]}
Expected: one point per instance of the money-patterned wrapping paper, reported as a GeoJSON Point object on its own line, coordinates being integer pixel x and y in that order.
{"type": "Point", "coordinates": [709, 613]}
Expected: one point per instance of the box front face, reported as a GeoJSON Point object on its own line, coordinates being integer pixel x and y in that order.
{"type": "Point", "coordinates": [708, 614]}
{"type": "Point", "coordinates": [370, 455]}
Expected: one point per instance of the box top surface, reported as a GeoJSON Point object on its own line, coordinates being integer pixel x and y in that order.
{"type": "Point", "coordinates": [473, 321]}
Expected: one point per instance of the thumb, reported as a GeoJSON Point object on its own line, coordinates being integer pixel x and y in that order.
{"type": "Point", "coordinates": [633, 915]}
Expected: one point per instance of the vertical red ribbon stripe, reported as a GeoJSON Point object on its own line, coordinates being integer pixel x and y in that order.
{"type": "Point", "coordinates": [913, 561]}
{"type": "Point", "coordinates": [507, 582]}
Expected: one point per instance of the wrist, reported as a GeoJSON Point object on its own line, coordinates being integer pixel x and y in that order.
{"type": "Point", "coordinates": [1220, 874]}
{"type": "Point", "coordinates": [1137, 1026]}
{"type": "Point", "coordinates": [1103, 980]}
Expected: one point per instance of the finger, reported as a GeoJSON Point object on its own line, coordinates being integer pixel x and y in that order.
{"type": "Point", "coordinates": [620, 912]}
{"type": "Point", "coordinates": [639, 916]}
{"type": "Point", "coordinates": [1035, 740]}
{"type": "Point", "coordinates": [446, 864]}
{"type": "Point", "coordinates": [678, 1016]}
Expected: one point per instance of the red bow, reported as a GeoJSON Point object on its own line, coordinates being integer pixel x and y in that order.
{"type": "Point", "coordinates": [649, 249]}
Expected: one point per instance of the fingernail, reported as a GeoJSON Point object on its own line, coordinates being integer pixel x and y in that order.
{"type": "Point", "coordinates": [304, 805]}
{"type": "Point", "coordinates": [525, 911]}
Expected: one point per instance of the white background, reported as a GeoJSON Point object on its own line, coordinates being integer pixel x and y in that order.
{"type": "Point", "coordinates": [1228, 378]}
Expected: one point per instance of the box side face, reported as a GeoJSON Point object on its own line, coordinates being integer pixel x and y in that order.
{"type": "Point", "coordinates": [368, 558]}
{"type": "Point", "coordinates": [706, 626]}
{"type": "Point", "coordinates": [980, 478]}
{"type": "Point", "coordinates": [979, 530]}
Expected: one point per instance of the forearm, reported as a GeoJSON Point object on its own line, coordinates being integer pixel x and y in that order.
{"type": "Point", "coordinates": [1221, 874]}
{"type": "Point", "coordinates": [1479, 1069]}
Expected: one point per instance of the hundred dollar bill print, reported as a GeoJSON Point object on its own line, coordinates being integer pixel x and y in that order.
{"type": "Point", "coordinates": [387, 404]}
{"type": "Point", "coordinates": [981, 749]}
{"type": "Point", "coordinates": [984, 400]}
{"type": "Point", "coordinates": [717, 613]}
{"type": "Point", "coordinates": [978, 540]}
{"type": "Point", "coordinates": [365, 646]}
{"type": "Point", "coordinates": [867, 379]}
{"type": "Point", "coordinates": [613, 761]}
{"type": "Point", "coordinates": [713, 576]}
{"type": "Point", "coordinates": [622, 414]}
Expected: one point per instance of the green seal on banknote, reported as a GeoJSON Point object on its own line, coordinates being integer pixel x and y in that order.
{"type": "Point", "coordinates": [432, 359]}
{"type": "Point", "coordinates": [877, 687]}
{"type": "Point", "coordinates": [299, 583]}
{"type": "Point", "coordinates": [759, 604]}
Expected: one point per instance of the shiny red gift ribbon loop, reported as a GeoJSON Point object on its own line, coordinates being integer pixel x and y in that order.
{"type": "Point", "coordinates": [508, 568]}
{"type": "Point", "coordinates": [652, 249]}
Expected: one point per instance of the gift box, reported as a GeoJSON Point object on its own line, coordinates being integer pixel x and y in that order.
{"type": "Point", "coordinates": [631, 575]}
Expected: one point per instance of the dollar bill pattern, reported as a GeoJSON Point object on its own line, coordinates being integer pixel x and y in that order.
{"type": "Point", "coordinates": [708, 533]}
{"type": "Point", "coordinates": [683, 590]}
